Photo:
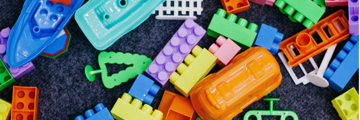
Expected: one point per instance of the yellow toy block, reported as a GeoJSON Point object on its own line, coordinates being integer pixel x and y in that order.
{"type": "Point", "coordinates": [197, 66]}
{"type": "Point", "coordinates": [347, 105]}
{"type": "Point", "coordinates": [4, 109]}
{"type": "Point", "coordinates": [125, 109]}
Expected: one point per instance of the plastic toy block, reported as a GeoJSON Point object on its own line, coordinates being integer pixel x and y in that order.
{"type": "Point", "coordinates": [333, 3]}
{"type": "Point", "coordinates": [345, 64]}
{"type": "Point", "coordinates": [238, 32]}
{"type": "Point", "coordinates": [263, 2]}
{"type": "Point", "coordinates": [307, 12]}
{"type": "Point", "coordinates": [139, 64]}
{"type": "Point", "coordinates": [174, 52]}
{"type": "Point", "coordinates": [353, 6]}
{"type": "Point", "coordinates": [176, 107]}
{"type": "Point", "coordinates": [24, 103]}
{"type": "Point", "coordinates": [177, 8]}
{"type": "Point", "coordinates": [105, 21]}
{"type": "Point", "coordinates": [224, 50]}
{"type": "Point", "coordinates": [59, 46]}
{"type": "Point", "coordinates": [347, 105]}
{"type": "Point", "coordinates": [4, 109]}
{"type": "Point", "coordinates": [144, 89]}
{"type": "Point", "coordinates": [102, 113]}
{"type": "Point", "coordinates": [38, 25]}
{"type": "Point", "coordinates": [310, 42]}
{"type": "Point", "coordinates": [235, 6]}
{"type": "Point", "coordinates": [269, 38]}
{"type": "Point", "coordinates": [5, 77]}
{"type": "Point", "coordinates": [282, 113]}
{"type": "Point", "coordinates": [64, 2]}
{"type": "Point", "coordinates": [128, 109]}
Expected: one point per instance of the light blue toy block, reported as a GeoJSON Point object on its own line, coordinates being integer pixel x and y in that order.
{"type": "Point", "coordinates": [102, 113]}
{"type": "Point", "coordinates": [269, 38]}
{"type": "Point", "coordinates": [144, 89]}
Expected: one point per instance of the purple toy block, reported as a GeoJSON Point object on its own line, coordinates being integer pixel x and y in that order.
{"type": "Point", "coordinates": [353, 17]}
{"type": "Point", "coordinates": [174, 52]}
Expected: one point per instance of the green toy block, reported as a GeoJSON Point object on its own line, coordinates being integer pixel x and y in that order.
{"type": "Point", "coordinates": [347, 105]}
{"type": "Point", "coordinates": [5, 77]}
{"type": "Point", "coordinates": [307, 12]}
{"type": "Point", "coordinates": [237, 32]}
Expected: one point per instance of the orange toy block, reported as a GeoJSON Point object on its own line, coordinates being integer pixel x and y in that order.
{"type": "Point", "coordinates": [64, 2]}
{"type": "Point", "coordinates": [235, 6]}
{"type": "Point", "coordinates": [310, 42]}
{"type": "Point", "coordinates": [177, 107]}
{"type": "Point", "coordinates": [24, 103]}
{"type": "Point", "coordinates": [224, 50]}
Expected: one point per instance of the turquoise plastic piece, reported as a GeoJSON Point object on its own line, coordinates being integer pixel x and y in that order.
{"type": "Point", "coordinates": [105, 21]}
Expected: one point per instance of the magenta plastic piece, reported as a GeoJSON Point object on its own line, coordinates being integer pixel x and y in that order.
{"type": "Point", "coordinates": [353, 17]}
{"type": "Point", "coordinates": [333, 3]}
{"type": "Point", "coordinates": [174, 52]}
{"type": "Point", "coordinates": [263, 2]}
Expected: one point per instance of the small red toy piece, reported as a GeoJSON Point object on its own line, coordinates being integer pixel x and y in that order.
{"type": "Point", "coordinates": [64, 2]}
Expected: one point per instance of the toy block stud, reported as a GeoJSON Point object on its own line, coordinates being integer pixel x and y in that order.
{"type": "Point", "coordinates": [24, 103]}
{"type": "Point", "coordinates": [263, 2]}
{"type": "Point", "coordinates": [144, 89]}
{"type": "Point", "coordinates": [64, 2]}
{"type": "Point", "coordinates": [333, 3]}
{"type": "Point", "coordinates": [174, 52]}
{"type": "Point", "coordinates": [179, 12]}
{"type": "Point", "coordinates": [5, 77]}
{"type": "Point", "coordinates": [128, 109]}
{"type": "Point", "coordinates": [347, 105]}
{"type": "Point", "coordinates": [235, 6]}
{"type": "Point", "coordinates": [269, 38]}
{"type": "Point", "coordinates": [59, 46]}
{"type": "Point", "coordinates": [353, 6]}
{"type": "Point", "coordinates": [4, 109]}
{"type": "Point", "coordinates": [345, 64]}
{"type": "Point", "coordinates": [102, 113]}
{"type": "Point", "coordinates": [224, 50]}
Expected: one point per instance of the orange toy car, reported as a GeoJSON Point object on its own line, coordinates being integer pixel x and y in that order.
{"type": "Point", "coordinates": [248, 77]}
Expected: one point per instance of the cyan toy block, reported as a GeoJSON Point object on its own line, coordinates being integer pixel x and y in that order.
{"type": "Point", "coordinates": [224, 50]}
{"type": "Point", "coordinates": [102, 113]}
{"type": "Point", "coordinates": [4, 109]}
{"type": "Point", "coordinates": [174, 52]}
{"type": "Point", "coordinates": [353, 6]}
{"type": "Point", "coordinates": [269, 38]}
{"type": "Point", "coordinates": [343, 67]}
{"type": "Point", "coordinates": [144, 89]}
{"type": "Point", "coordinates": [347, 105]}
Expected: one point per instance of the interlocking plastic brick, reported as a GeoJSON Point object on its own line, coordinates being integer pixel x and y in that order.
{"type": "Point", "coordinates": [263, 2]}
{"type": "Point", "coordinates": [269, 38]}
{"type": "Point", "coordinates": [345, 64]}
{"type": "Point", "coordinates": [64, 2]}
{"type": "Point", "coordinates": [5, 77]}
{"type": "Point", "coordinates": [4, 110]}
{"type": "Point", "coordinates": [333, 3]}
{"type": "Point", "coordinates": [307, 12]}
{"type": "Point", "coordinates": [144, 89]}
{"type": "Point", "coordinates": [224, 50]}
{"type": "Point", "coordinates": [24, 103]}
{"type": "Point", "coordinates": [174, 52]}
{"type": "Point", "coordinates": [353, 6]}
{"type": "Point", "coordinates": [238, 32]}
{"type": "Point", "coordinates": [235, 6]}
{"type": "Point", "coordinates": [179, 11]}
{"type": "Point", "coordinates": [59, 46]}
{"type": "Point", "coordinates": [195, 67]}
{"type": "Point", "coordinates": [347, 105]}
{"type": "Point", "coordinates": [176, 107]}
{"type": "Point", "coordinates": [102, 113]}
{"type": "Point", "coordinates": [128, 109]}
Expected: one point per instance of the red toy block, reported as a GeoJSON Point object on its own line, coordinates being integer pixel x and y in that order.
{"type": "Point", "coordinates": [263, 2]}
{"type": "Point", "coordinates": [235, 6]}
{"type": "Point", "coordinates": [176, 107]}
{"type": "Point", "coordinates": [224, 50]}
{"type": "Point", "coordinates": [64, 2]}
{"type": "Point", "coordinates": [333, 3]}
{"type": "Point", "coordinates": [24, 103]}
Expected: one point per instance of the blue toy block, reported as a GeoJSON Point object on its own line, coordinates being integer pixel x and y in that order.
{"type": "Point", "coordinates": [102, 113]}
{"type": "Point", "coordinates": [343, 67]}
{"type": "Point", "coordinates": [144, 89]}
{"type": "Point", "coordinates": [269, 38]}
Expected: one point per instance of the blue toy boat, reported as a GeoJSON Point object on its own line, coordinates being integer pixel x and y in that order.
{"type": "Point", "coordinates": [39, 23]}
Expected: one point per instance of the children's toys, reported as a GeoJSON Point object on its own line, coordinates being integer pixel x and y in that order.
{"type": "Point", "coordinates": [5, 77]}
{"type": "Point", "coordinates": [4, 110]}
{"type": "Point", "coordinates": [144, 89]}
{"type": "Point", "coordinates": [353, 6]}
{"type": "Point", "coordinates": [176, 107]}
{"type": "Point", "coordinates": [282, 113]}
{"type": "Point", "coordinates": [195, 67]}
{"type": "Point", "coordinates": [105, 21]}
{"type": "Point", "coordinates": [174, 52]}
{"type": "Point", "coordinates": [24, 103]}
{"type": "Point", "coordinates": [128, 109]}
{"type": "Point", "coordinates": [139, 64]}
{"type": "Point", "coordinates": [235, 6]}
{"type": "Point", "coordinates": [178, 7]}
{"type": "Point", "coordinates": [59, 46]}
{"type": "Point", "coordinates": [307, 12]}
{"type": "Point", "coordinates": [248, 77]}
{"type": "Point", "coordinates": [224, 50]}
{"type": "Point", "coordinates": [263, 2]}
{"type": "Point", "coordinates": [64, 2]}
{"type": "Point", "coordinates": [333, 3]}
{"type": "Point", "coordinates": [39, 24]}
{"type": "Point", "coordinates": [269, 38]}
{"type": "Point", "coordinates": [102, 113]}
{"type": "Point", "coordinates": [347, 105]}
{"type": "Point", "coordinates": [310, 42]}
{"type": "Point", "coordinates": [345, 64]}
{"type": "Point", "coordinates": [238, 32]}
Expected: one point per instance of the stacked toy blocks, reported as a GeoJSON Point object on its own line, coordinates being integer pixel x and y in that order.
{"type": "Point", "coordinates": [235, 6]}
{"type": "Point", "coordinates": [4, 109]}
{"type": "Point", "coordinates": [197, 66]}
{"type": "Point", "coordinates": [307, 12]}
{"type": "Point", "coordinates": [5, 77]}
{"type": "Point", "coordinates": [59, 46]}
{"type": "Point", "coordinates": [24, 103]}
{"type": "Point", "coordinates": [333, 3]}
{"type": "Point", "coordinates": [238, 32]}
{"type": "Point", "coordinates": [269, 38]}
{"type": "Point", "coordinates": [353, 6]}
{"type": "Point", "coordinates": [144, 89]}
{"type": "Point", "coordinates": [128, 109]}
{"type": "Point", "coordinates": [345, 64]}
{"type": "Point", "coordinates": [263, 2]}
{"type": "Point", "coordinates": [174, 52]}
{"type": "Point", "coordinates": [102, 113]}
{"type": "Point", "coordinates": [347, 105]}
{"type": "Point", "coordinates": [176, 107]}
{"type": "Point", "coordinates": [224, 50]}
{"type": "Point", "coordinates": [177, 8]}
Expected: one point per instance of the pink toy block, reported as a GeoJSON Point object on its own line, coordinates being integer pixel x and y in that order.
{"type": "Point", "coordinates": [224, 50]}
{"type": "Point", "coordinates": [263, 2]}
{"type": "Point", "coordinates": [332, 3]}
